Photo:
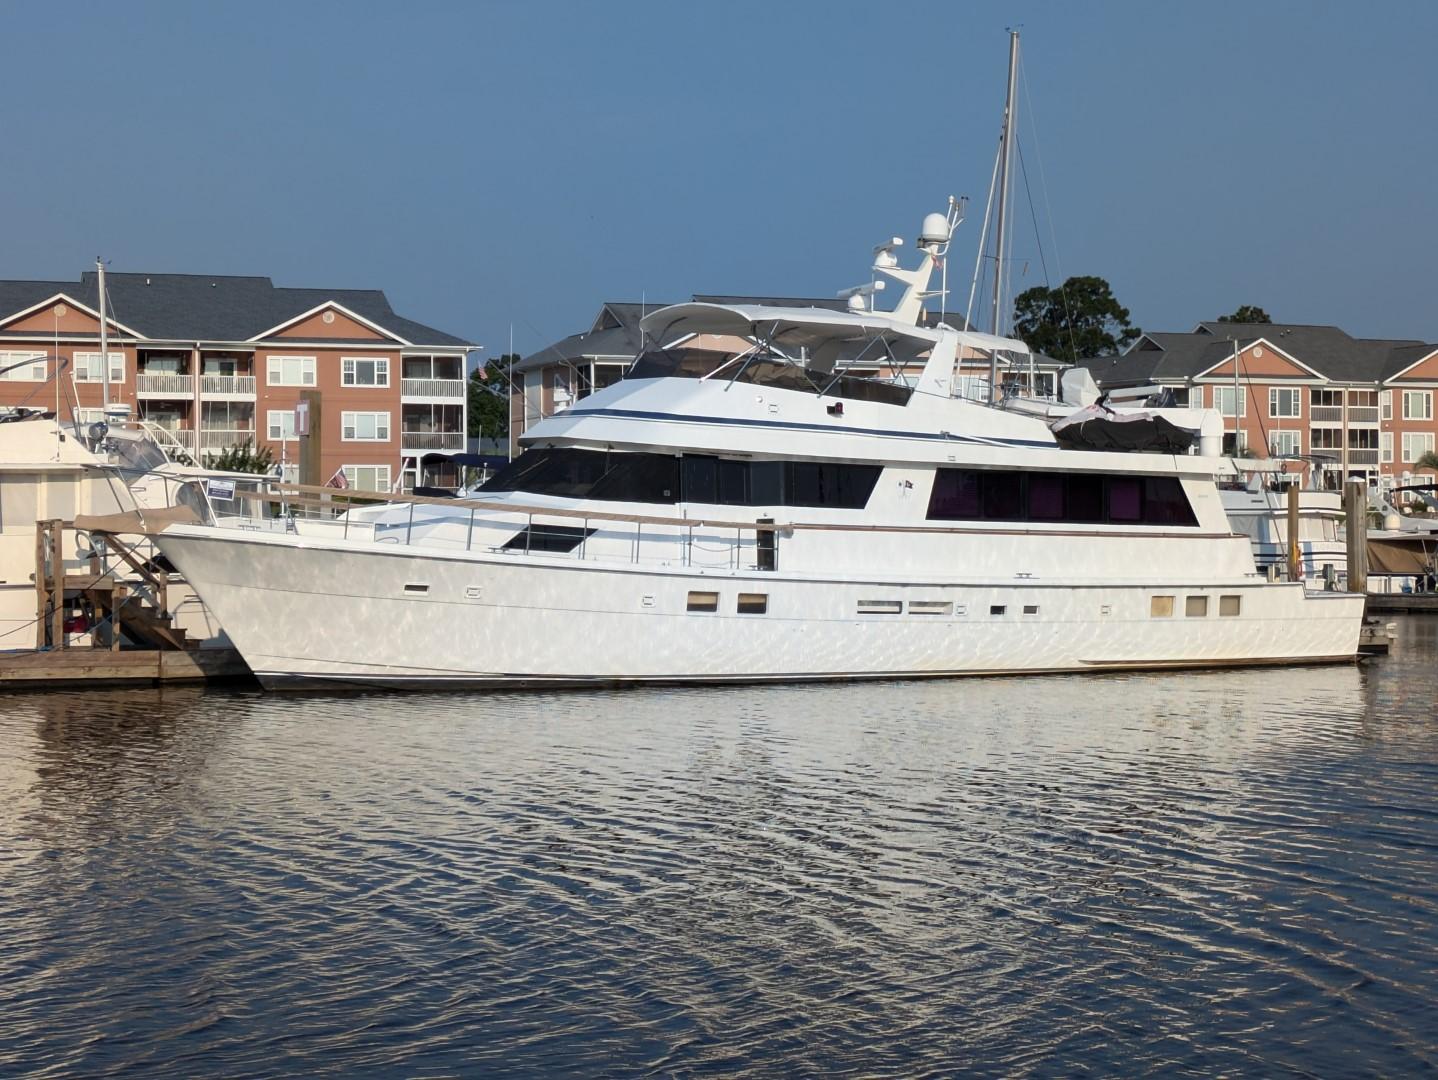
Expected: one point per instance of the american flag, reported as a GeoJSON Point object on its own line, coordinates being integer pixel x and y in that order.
{"type": "Point", "coordinates": [338, 480]}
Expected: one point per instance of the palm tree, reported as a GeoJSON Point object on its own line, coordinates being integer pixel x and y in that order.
{"type": "Point", "coordinates": [1427, 463]}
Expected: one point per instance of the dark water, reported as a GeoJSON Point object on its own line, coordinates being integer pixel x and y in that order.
{"type": "Point", "coordinates": [1205, 874]}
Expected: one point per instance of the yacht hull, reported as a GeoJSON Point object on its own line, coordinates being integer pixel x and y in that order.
{"type": "Point", "coordinates": [311, 613]}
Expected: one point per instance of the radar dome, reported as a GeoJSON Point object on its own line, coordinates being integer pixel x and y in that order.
{"type": "Point", "coordinates": [936, 229]}
{"type": "Point", "coordinates": [1392, 522]}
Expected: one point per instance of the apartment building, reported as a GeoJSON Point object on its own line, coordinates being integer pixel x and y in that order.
{"type": "Point", "coordinates": [218, 361]}
{"type": "Point", "coordinates": [1362, 406]}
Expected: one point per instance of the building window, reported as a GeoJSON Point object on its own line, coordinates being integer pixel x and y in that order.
{"type": "Point", "coordinates": [1417, 405]}
{"type": "Point", "coordinates": [433, 367]}
{"type": "Point", "coordinates": [367, 477]}
{"type": "Point", "coordinates": [281, 425]}
{"type": "Point", "coordinates": [23, 367]}
{"type": "Point", "coordinates": [1285, 443]}
{"type": "Point", "coordinates": [364, 371]}
{"type": "Point", "coordinates": [1179, 396]}
{"type": "Point", "coordinates": [1416, 444]}
{"type": "Point", "coordinates": [1385, 448]}
{"type": "Point", "coordinates": [364, 426]}
{"type": "Point", "coordinates": [1385, 399]}
{"type": "Point", "coordinates": [1223, 401]}
{"type": "Point", "coordinates": [88, 369]}
{"type": "Point", "coordinates": [1325, 397]}
{"type": "Point", "coordinates": [290, 371]}
{"type": "Point", "coordinates": [1283, 401]}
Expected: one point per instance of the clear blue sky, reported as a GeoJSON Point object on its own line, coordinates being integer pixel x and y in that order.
{"type": "Point", "coordinates": [490, 164]}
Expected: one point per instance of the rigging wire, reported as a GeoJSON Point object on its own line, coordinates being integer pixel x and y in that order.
{"type": "Point", "coordinates": [1048, 207]}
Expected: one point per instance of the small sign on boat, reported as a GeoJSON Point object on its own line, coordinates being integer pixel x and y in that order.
{"type": "Point", "coordinates": [222, 490]}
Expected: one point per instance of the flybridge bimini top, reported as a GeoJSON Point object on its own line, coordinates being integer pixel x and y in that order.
{"type": "Point", "coordinates": [823, 342]}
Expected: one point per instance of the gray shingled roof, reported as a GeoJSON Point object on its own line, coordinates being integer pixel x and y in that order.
{"type": "Point", "coordinates": [1164, 357]}
{"type": "Point", "coordinates": [1405, 356]}
{"type": "Point", "coordinates": [615, 331]}
{"type": "Point", "coordinates": [199, 307]}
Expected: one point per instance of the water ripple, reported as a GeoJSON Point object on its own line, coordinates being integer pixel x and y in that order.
{"type": "Point", "coordinates": [1192, 874]}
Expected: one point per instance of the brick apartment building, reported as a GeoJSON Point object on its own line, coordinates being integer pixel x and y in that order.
{"type": "Point", "coordinates": [219, 361]}
{"type": "Point", "coordinates": [1365, 404]}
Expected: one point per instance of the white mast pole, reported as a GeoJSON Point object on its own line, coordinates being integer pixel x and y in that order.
{"type": "Point", "coordinates": [1003, 214]}
{"type": "Point", "coordinates": [1235, 397]}
{"type": "Point", "coordinates": [104, 336]}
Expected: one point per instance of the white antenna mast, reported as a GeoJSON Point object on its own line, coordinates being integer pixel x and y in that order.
{"type": "Point", "coordinates": [104, 336]}
{"type": "Point", "coordinates": [1000, 255]}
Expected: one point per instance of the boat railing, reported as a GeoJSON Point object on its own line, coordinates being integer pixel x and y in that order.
{"type": "Point", "coordinates": [599, 536]}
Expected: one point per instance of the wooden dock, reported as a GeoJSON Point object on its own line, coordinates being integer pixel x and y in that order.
{"type": "Point", "coordinates": [42, 669]}
{"type": "Point", "coordinates": [1402, 603]}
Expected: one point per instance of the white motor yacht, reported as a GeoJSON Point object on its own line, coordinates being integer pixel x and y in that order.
{"type": "Point", "coordinates": [763, 515]}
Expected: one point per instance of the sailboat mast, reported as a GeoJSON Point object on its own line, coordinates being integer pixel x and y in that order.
{"type": "Point", "coordinates": [1006, 157]}
{"type": "Point", "coordinates": [104, 336]}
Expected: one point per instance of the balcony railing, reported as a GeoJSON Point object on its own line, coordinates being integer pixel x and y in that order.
{"type": "Point", "coordinates": [440, 388]}
{"type": "Point", "coordinates": [1362, 456]}
{"type": "Point", "coordinates": [432, 440]}
{"type": "Point", "coordinates": [166, 385]}
{"type": "Point", "coordinates": [1362, 414]}
{"type": "Point", "coordinates": [222, 438]}
{"type": "Point", "coordinates": [227, 384]}
{"type": "Point", "coordinates": [185, 437]}
{"type": "Point", "coordinates": [1326, 414]}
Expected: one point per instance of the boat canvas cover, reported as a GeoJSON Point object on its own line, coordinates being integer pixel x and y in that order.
{"type": "Point", "coordinates": [1096, 428]}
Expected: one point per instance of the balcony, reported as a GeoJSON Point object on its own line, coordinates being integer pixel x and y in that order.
{"type": "Point", "coordinates": [1362, 414]}
{"type": "Point", "coordinates": [1326, 414]}
{"type": "Point", "coordinates": [165, 386]}
{"type": "Point", "coordinates": [227, 386]}
{"type": "Point", "coordinates": [224, 438]}
{"type": "Point", "coordinates": [431, 440]}
{"type": "Point", "coordinates": [449, 389]}
{"type": "Point", "coordinates": [1362, 456]}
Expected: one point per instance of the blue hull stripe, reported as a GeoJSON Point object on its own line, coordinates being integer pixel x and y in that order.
{"type": "Point", "coordinates": [785, 425]}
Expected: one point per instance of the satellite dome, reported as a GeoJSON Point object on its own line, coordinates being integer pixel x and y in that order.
{"type": "Point", "coordinates": [936, 229]}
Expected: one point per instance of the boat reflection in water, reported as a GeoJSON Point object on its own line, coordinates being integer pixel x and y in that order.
{"type": "Point", "coordinates": [1197, 872]}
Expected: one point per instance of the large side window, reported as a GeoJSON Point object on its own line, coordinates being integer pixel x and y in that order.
{"type": "Point", "coordinates": [1091, 498]}
{"type": "Point", "coordinates": [693, 478]}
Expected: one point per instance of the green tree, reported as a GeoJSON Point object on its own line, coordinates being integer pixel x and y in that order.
{"type": "Point", "coordinates": [1078, 320]}
{"type": "Point", "coordinates": [1248, 313]}
{"type": "Point", "coordinates": [1427, 463]}
{"type": "Point", "coordinates": [242, 458]}
{"type": "Point", "coordinates": [489, 399]}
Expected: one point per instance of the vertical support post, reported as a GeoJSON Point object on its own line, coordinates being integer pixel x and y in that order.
{"type": "Point", "coordinates": [42, 591]}
{"type": "Point", "coordinates": [1355, 508]}
{"type": "Point", "coordinates": [117, 601]}
{"type": "Point", "coordinates": [312, 440]}
{"type": "Point", "coordinates": [57, 583]}
{"type": "Point", "coordinates": [469, 536]}
{"type": "Point", "coordinates": [1295, 563]}
{"type": "Point", "coordinates": [409, 529]}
